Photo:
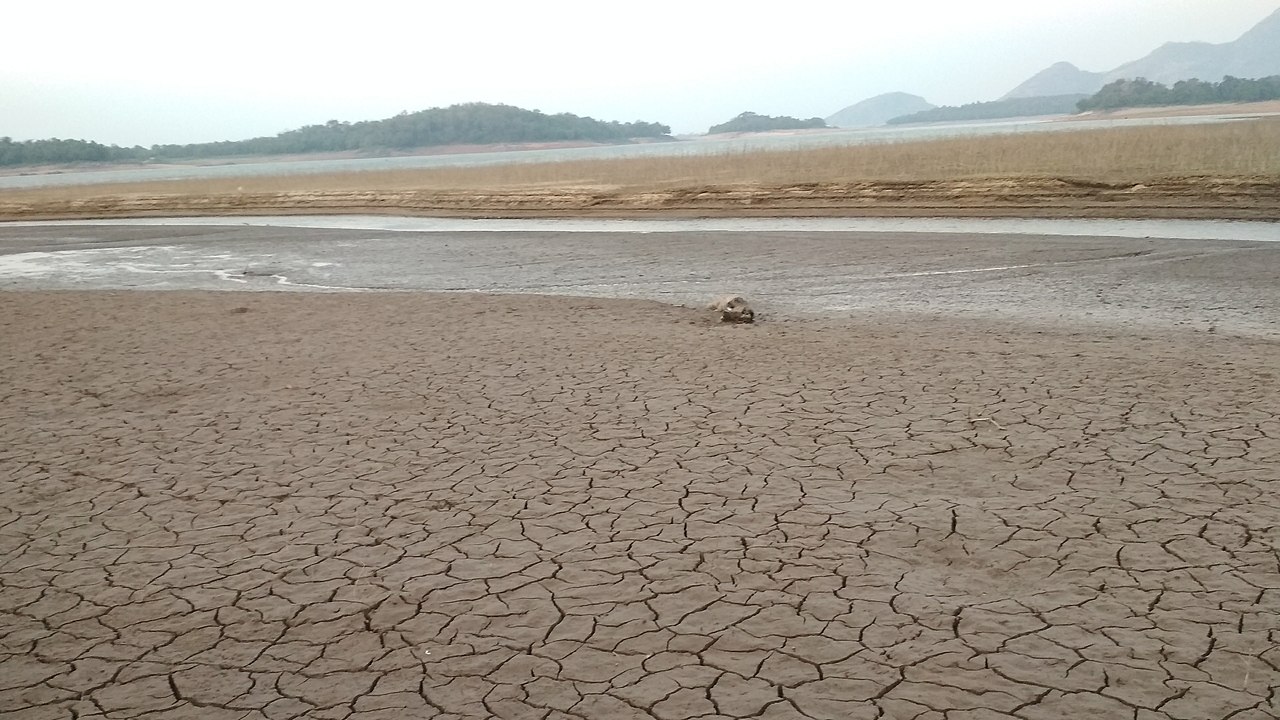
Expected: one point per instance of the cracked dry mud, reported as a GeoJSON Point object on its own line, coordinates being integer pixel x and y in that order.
{"type": "Point", "coordinates": [417, 506]}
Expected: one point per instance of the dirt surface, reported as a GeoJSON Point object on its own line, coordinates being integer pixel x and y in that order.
{"type": "Point", "coordinates": [236, 505]}
{"type": "Point", "coordinates": [1195, 197]}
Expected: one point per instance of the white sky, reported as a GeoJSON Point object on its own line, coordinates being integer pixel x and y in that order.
{"type": "Point", "coordinates": [131, 72]}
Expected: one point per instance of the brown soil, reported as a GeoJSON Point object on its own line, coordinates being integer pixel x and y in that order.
{"type": "Point", "coordinates": [1192, 197]}
{"type": "Point", "coordinates": [393, 506]}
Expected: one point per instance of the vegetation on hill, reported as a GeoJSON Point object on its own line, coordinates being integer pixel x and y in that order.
{"type": "Point", "coordinates": [1145, 93]}
{"type": "Point", "coordinates": [44, 152]}
{"type": "Point", "coordinates": [469, 124]}
{"type": "Point", "coordinates": [1254, 54]}
{"type": "Point", "coordinates": [996, 109]}
{"type": "Point", "coordinates": [878, 110]}
{"type": "Point", "coordinates": [751, 122]}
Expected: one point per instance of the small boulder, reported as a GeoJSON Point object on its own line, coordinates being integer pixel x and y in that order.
{"type": "Point", "coordinates": [733, 309]}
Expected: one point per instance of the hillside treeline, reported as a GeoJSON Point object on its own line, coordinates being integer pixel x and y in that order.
{"type": "Point", "coordinates": [1145, 93]}
{"type": "Point", "coordinates": [44, 152]}
{"type": "Point", "coordinates": [751, 122]}
{"type": "Point", "coordinates": [996, 109]}
{"type": "Point", "coordinates": [468, 124]}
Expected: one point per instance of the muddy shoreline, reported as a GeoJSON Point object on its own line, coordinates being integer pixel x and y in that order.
{"type": "Point", "coordinates": [1133, 284]}
{"type": "Point", "coordinates": [1236, 198]}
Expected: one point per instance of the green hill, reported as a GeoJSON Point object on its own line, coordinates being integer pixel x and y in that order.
{"type": "Point", "coordinates": [469, 124]}
{"type": "Point", "coordinates": [1145, 93]}
{"type": "Point", "coordinates": [751, 122]}
{"type": "Point", "coordinates": [996, 109]}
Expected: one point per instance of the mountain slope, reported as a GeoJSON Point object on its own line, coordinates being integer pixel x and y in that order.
{"type": "Point", "coordinates": [878, 110]}
{"type": "Point", "coordinates": [1061, 78]}
{"type": "Point", "coordinates": [1254, 54]}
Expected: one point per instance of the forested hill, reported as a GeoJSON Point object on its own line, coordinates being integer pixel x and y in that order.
{"type": "Point", "coordinates": [1145, 93]}
{"type": "Point", "coordinates": [469, 124]}
{"type": "Point", "coordinates": [994, 110]}
{"type": "Point", "coordinates": [752, 122]}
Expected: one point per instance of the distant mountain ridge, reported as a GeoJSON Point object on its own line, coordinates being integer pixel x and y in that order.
{"type": "Point", "coordinates": [463, 124]}
{"type": "Point", "coordinates": [1254, 54]}
{"type": "Point", "coordinates": [879, 110]}
{"type": "Point", "coordinates": [1060, 78]}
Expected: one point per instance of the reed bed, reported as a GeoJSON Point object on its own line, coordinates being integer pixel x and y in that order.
{"type": "Point", "coordinates": [1249, 148]}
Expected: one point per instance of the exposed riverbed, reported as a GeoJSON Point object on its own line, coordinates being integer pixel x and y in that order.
{"type": "Point", "coordinates": [1215, 275]}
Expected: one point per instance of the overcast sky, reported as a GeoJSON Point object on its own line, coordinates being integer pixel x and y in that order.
{"type": "Point", "coordinates": [160, 72]}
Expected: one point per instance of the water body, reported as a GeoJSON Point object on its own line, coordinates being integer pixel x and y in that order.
{"type": "Point", "coordinates": [698, 146]}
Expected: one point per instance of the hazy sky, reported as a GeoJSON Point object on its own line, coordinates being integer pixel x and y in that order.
{"type": "Point", "coordinates": [130, 73]}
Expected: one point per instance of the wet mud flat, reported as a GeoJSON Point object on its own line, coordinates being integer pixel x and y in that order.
{"type": "Point", "coordinates": [787, 268]}
{"type": "Point", "coordinates": [388, 505]}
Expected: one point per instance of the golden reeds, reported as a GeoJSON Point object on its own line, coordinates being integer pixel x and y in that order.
{"type": "Point", "coordinates": [1134, 154]}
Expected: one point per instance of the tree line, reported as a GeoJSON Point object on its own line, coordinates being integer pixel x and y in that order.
{"type": "Point", "coordinates": [1145, 93]}
{"type": "Point", "coordinates": [752, 122]}
{"type": "Point", "coordinates": [466, 124]}
{"type": "Point", "coordinates": [44, 152]}
{"type": "Point", "coordinates": [996, 109]}
{"type": "Point", "coordinates": [1119, 94]}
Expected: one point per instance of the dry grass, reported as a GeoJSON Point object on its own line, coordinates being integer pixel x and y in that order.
{"type": "Point", "coordinates": [1237, 149]}
{"type": "Point", "coordinates": [1118, 155]}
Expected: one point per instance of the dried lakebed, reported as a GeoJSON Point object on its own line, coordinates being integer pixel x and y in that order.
{"type": "Point", "coordinates": [966, 497]}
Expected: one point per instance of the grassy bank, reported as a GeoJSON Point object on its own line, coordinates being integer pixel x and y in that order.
{"type": "Point", "coordinates": [1017, 166]}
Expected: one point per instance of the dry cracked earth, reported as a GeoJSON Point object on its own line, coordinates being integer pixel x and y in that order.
{"type": "Point", "coordinates": [424, 506]}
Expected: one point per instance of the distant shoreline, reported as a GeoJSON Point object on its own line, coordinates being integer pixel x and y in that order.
{"type": "Point", "coordinates": [429, 151]}
{"type": "Point", "coordinates": [1255, 109]}
{"type": "Point", "coordinates": [1258, 109]}
{"type": "Point", "coordinates": [1136, 170]}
